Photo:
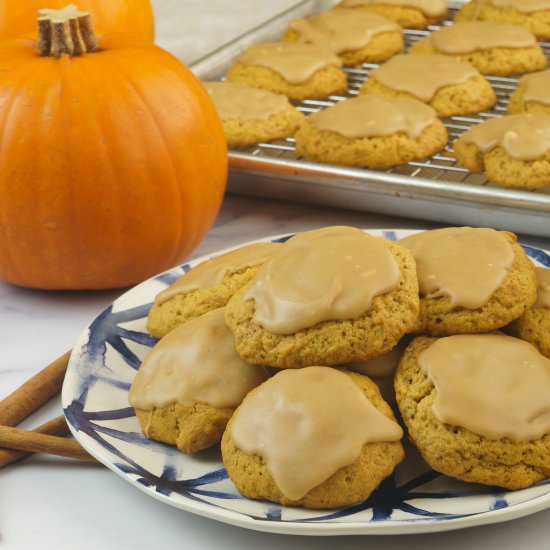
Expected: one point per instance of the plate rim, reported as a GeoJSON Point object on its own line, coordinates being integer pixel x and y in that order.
{"type": "Point", "coordinates": [294, 527]}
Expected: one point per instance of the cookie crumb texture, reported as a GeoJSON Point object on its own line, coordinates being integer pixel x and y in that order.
{"type": "Point", "coordinates": [518, 292]}
{"type": "Point", "coordinates": [534, 327]}
{"type": "Point", "coordinates": [538, 22]}
{"type": "Point", "coordinates": [472, 96]}
{"type": "Point", "coordinates": [190, 428]}
{"type": "Point", "coordinates": [349, 485]}
{"type": "Point", "coordinates": [495, 61]}
{"type": "Point", "coordinates": [501, 168]}
{"type": "Point", "coordinates": [324, 82]}
{"type": "Point", "coordinates": [373, 152]}
{"type": "Point", "coordinates": [390, 316]}
{"type": "Point", "coordinates": [458, 452]}
{"type": "Point", "coordinates": [165, 316]}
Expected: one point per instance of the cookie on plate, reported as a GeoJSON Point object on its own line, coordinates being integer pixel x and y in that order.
{"type": "Point", "coordinates": [251, 115]}
{"type": "Point", "coordinates": [449, 85]}
{"type": "Point", "coordinates": [534, 325]}
{"type": "Point", "coordinates": [534, 14]}
{"type": "Point", "coordinates": [329, 296]}
{"type": "Point", "coordinates": [315, 437]}
{"type": "Point", "coordinates": [494, 48]}
{"type": "Point", "coordinates": [469, 422]}
{"type": "Point", "coordinates": [299, 71]}
{"type": "Point", "coordinates": [471, 279]}
{"type": "Point", "coordinates": [532, 94]}
{"type": "Point", "coordinates": [412, 14]}
{"type": "Point", "coordinates": [513, 150]}
{"type": "Point", "coordinates": [372, 131]}
{"type": "Point", "coordinates": [206, 287]}
{"type": "Point", "coordinates": [355, 36]}
{"type": "Point", "coordinates": [189, 384]}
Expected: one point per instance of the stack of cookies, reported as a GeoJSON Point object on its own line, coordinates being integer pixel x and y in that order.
{"type": "Point", "coordinates": [266, 91]}
{"type": "Point", "coordinates": [277, 351]}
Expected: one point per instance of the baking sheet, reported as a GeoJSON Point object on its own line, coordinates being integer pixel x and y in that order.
{"type": "Point", "coordinates": [436, 189]}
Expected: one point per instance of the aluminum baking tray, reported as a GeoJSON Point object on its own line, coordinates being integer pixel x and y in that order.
{"type": "Point", "coordinates": [436, 189]}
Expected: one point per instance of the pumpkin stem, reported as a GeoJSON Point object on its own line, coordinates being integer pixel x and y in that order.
{"type": "Point", "coordinates": [65, 31]}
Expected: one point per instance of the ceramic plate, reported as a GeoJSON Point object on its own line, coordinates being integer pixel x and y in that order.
{"type": "Point", "coordinates": [95, 401]}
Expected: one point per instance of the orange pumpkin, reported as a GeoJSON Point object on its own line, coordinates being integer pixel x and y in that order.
{"type": "Point", "coordinates": [133, 17]}
{"type": "Point", "coordinates": [113, 164]}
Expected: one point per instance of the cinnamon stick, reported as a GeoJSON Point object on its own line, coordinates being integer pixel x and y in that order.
{"type": "Point", "coordinates": [34, 442]}
{"type": "Point", "coordinates": [57, 426]}
{"type": "Point", "coordinates": [33, 393]}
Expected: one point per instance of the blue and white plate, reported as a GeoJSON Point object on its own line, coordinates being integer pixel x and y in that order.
{"type": "Point", "coordinates": [95, 401]}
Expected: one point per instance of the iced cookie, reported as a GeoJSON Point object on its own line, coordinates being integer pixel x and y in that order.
{"type": "Point", "coordinates": [356, 37]}
{"type": "Point", "coordinates": [513, 150]}
{"type": "Point", "coordinates": [329, 296]}
{"type": "Point", "coordinates": [190, 383]}
{"type": "Point", "coordinates": [471, 279]}
{"type": "Point", "coordinates": [372, 131]}
{"type": "Point", "coordinates": [532, 14]}
{"type": "Point", "coordinates": [449, 85]}
{"type": "Point", "coordinates": [250, 115]}
{"type": "Point", "coordinates": [413, 14]}
{"type": "Point", "coordinates": [299, 71]}
{"type": "Point", "coordinates": [532, 94]}
{"type": "Point", "coordinates": [476, 407]}
{"type": "Point", "coordinates": [494, 48]}
{"type": "Point", "coordinates": [534, 324]}
{"type": "Point", "coordinates": [315, 437]}
{"type": "Point", "coordinates": [206, 287]}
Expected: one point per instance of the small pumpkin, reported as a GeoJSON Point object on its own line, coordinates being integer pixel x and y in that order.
{"type": "Point", "coordinates": [113, 163]}
{"type": "Point", "coordinates": [133, 17]}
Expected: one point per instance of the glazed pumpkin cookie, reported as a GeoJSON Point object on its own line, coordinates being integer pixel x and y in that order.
{"type": "Point", "coordinates": [514, 150]}
{"type": "Point", "coordinates": [315, 437]}
{"type": "Point", "coordinates": [250, 115]}
{"type": "Point", "coordinates": [532, 14]}
{"type": "Point", "coordinates": [469, 422]}
{"type": "Point", "coordinates": [206, 287]}
{"type": "Point", "coordinates": [532, 94]}
{"type": "Point", "coordinates": [356, 37]}
{"type": "Point", "coordinates": [449, 85]}
{"type": "Point", "coordinates": [534, 324]}
{"type": "Point", "coordinates": [299, 71]}
{"type": "Point", "coordinates": [372, 131]}
{"type": "Point", "coordinates": [471, 279]}
{"type": "Point", "coordinates": [190, 383]}
{"type": "Point", "coordinates": [328, 296]}
{"type": "Point", "coordinates": [412, 14]}
{"type": "Point", "coordinates": [494, 48]}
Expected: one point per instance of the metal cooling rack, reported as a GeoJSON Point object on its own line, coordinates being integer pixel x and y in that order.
{"type": "Point", "coordinates": [436, 189]}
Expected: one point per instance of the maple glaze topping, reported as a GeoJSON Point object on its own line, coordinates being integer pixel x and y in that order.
{"type": "Point", "coordinates": [320, 275]}
{"type": "Point", "coordinates": [373, 115]}
{"type": "Point", "coordinates": [423, 75]}
{"type": "Point", "coordinates": [238, 101]}
{"type": "Point", "coordinates": [470, 36]}
{"type": "Point", "coordinates": [464, 263]}
{"type": "Point", "coordinates": [294, 61]}
{"type": "Point", "coordinates": [543, 287]}
{"type": "Point", "coordinates": [432, 8]}
{"type": "Point", "coordinates": [536, 87]}
{"type": "Point", "coordinates": [524, 6]}
{"type": "Point", "coordinates": [493, 385]}
{"type": "Point", "coordinates": [342, 30]}
{"type": "Point", "coordinates": [211, 272]}
{"type": "Point", "coordinates": [196, 362]}
{"type": "Point", "coordinates": [307, 424]}
{"type": "Point", "coordinates": [525, 136]}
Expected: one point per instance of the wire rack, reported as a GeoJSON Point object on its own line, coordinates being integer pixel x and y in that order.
{"type": "Point", "coordinates": [441, 166]}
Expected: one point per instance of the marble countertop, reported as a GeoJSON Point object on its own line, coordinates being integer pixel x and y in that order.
{"type": "Point", "coordinates": [50, 502]}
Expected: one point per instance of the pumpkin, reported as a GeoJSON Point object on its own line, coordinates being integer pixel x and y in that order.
{"type": "Point", "coordinates": [113, 163]}
{"type": "Point", "coordinates": [133, 17]}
